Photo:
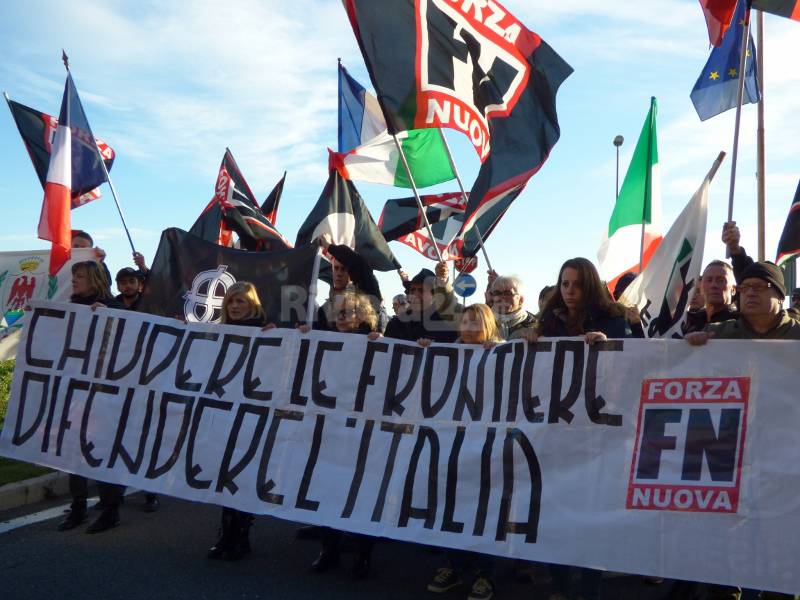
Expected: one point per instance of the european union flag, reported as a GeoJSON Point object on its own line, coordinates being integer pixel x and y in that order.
{"type": "Point", "coordinates": [716, 88]}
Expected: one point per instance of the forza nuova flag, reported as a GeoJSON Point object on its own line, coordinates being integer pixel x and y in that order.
{"type": "Point", "coordinates": [75, 168]}
{"type": "Point", "coordinates": [401, 220]}
{"type": "Point", "coordinates": [240, 209]}
{"type": "Point", "coordinates": [661, 291]}
{"type": "Point", "coordinates": [340, 211]}
{"type": "Point", "coordinates": [789, 244]}
{"type": "Point", "coordinates": [784, 8]}
{"type": "Point", "coordinates": [639, 202]}
{"type": "Point", "coordinates": [473, 67]}
{"type": "Point", "coordinates": [716, 89]}
{"type": "Point", "coordinates": [190, 276]}
{"type": "Point", "coordinates": [38, 130]}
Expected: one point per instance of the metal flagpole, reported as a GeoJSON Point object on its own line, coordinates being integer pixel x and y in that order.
{"type": "Point", "coordinates": [108, 177]}
{"type": "Point", "coordinates": [762, 180]}
{"type": "Point", "coordinates": [416, 195]}
{"type": "Point", "coordinates": [739, 98]}
{"type": "Point", "coordinates": [464, 195]}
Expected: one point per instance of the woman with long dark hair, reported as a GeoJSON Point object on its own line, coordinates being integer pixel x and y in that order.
{"type": "Point", "coordinates": [90, 287]}
{"type": "Point", "coordinates": [580, 306]}
{"type": "Point", "coordinates": [240, 306]}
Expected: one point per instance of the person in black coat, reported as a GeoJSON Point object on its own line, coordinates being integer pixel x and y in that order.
{"type": "Point", "coordinates": [90, 288]}
{"type": "Point", "coordinates": [240, 306]}
{"type": "Point", "coordinates": [432, 313]}
{"type": "Point", "coordinates": [581, 306]}
{"type": "Point", "coordinates": [355, 313]}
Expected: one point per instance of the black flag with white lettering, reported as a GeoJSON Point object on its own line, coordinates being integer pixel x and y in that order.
{"type": "Point", "coordinates": [473, 67]}
{"type": "Point", "coordinates": [190, 276]}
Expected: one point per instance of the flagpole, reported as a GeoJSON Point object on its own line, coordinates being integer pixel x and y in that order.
{"type": "Point", "coordinates": [648, 184]}
{"type": "Point", "coordinates": [416, 195]}
{"type": "Point", "coordinates": [464, 195]}
{"type": "Point", "coordinates": [762, 181]}
{"type": "Point", "coordinates": [739, 99]}
{"type": "Point", "coordinates": [312, 289]}
{"type": "Point", "coordinates": [65, 59]}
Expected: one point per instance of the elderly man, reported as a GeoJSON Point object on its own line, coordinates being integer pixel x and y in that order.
{"type": "Point", "coordinates": [718, 286]}
{"type": "Point", "coordinates": [508, 296]}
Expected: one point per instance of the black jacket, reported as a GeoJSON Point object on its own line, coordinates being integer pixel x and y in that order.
{"type": "Point", "coordinates": [554, 324]}
{"type": "Point", "coordinates": [696, 320]}
{"type": "Point", "coordinates": [110, 302]}
{"type": "Point", "coordinates": [431, 326]}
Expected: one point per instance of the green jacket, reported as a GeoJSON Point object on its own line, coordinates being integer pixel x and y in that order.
{"type": "Point", "coordinates": [737, 329]}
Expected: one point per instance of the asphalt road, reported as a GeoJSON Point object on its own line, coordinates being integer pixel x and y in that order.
{"type": "Point", "coordinates": [162, 555]}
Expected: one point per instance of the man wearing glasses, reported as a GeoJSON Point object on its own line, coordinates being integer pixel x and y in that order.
{"type": "Point", "coordinates": [507, 295]}
{"type": "Point", "coordinates": [761, 314]}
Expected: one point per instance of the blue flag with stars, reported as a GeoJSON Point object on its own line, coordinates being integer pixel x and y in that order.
{"type": "Point", "coordinates": [716, 88]}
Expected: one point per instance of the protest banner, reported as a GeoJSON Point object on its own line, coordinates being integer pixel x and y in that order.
{"type": "Point", "coordinates": [639, 456]}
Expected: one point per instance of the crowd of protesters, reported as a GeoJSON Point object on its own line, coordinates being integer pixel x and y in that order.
{"type": "Point", "coordinates": [739, 300]}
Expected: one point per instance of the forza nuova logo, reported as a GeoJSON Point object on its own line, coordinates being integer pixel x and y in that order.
{"type": "Point", "coordinates": [689, 445]}
{"type": "Point", "coordinates": [479, 76]}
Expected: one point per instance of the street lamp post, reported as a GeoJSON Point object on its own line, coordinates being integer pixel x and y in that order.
{"type": "Point", "coordinates": [618, 142]}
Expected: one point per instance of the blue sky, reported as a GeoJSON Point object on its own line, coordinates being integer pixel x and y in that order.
{"type": "Point", "coordinates": [170, 84]}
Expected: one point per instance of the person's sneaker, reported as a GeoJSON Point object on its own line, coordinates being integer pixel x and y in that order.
{"type": "Point", "coordinates": [151, 503]}
{"type": "Point", "coordinates": [445, 580]}
{"type": "Point", "coordinates": [108, 519]}
{"type": "Point", "coordinates": [482, 589]}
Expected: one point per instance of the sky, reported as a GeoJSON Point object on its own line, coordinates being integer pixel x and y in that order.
{"type": "Point", "coordinates": [170, 85]}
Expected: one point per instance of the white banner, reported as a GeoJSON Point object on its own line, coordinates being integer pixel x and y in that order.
{"type": "Point", "coordinates": [24, 277]}
{"type": "Point", "coordinates": [639, 456]}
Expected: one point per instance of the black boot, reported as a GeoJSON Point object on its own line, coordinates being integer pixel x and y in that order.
{"type": "Point", "coordinates": [108, 519]}
{"type": "Point", "coordinates": [329, 557]}
{"type": "Point", "coordinates": [226, 537]}
{"type": "Point", "coordinates": [362, 563]}
{"type": "Point", "coordinates": [245, 522]}
{"type": "Point", "coordinates": [151, 503]}
{"type": "Point", "coordinates": [75, 517]}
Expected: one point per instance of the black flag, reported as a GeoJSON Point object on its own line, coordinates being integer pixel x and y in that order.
{"type": "Point", "coordinates": [789, 246]}
{"type": "Point", "coordinates": [341, 212]}
{"type": "Point", "coordinates": [270, 207]}
{"type": "Point", "coordinates": [190, 276]}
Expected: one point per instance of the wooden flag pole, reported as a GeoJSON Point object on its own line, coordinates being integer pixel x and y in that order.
{"type": "Point", "coordinates": [739, 99]}
{"type": "Point", "coordinates": [416, 195]}
{"type": "Point", "coordinates": [464, 195]}
{"type": "Point", "coordinates": [762, 180]}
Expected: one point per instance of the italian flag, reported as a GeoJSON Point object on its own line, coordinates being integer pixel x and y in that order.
{"type": "Point", "coordinates": [378, 160]}
{"type": "Point", "coordinates": [639, 203]}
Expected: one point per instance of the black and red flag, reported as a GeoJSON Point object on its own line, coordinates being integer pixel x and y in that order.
{"type": "Point", "coordinates": [237, 204]}
{"type": "Point", "coordinates": [473, 67]}
{"type": "Point", "coordinates": [270, 206]}
{"type": "Point", "coordinates": [38, 130]}
{"type": "Point", "coordinates": [789, 245]}
{"type": "Point", "coordinates": [401, 220]}
{"type": "Point", "coordinates": [784, 8]}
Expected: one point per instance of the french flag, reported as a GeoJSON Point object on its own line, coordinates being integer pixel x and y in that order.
{"type": "Point", "coordinates": [360, 115]}
{"type": "Point", "coordinates": [75, 165]}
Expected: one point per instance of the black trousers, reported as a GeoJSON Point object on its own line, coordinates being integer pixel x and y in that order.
{"type": "Point", "coordinates": [110, 493]}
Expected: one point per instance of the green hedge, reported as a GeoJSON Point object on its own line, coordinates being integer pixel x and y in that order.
{"type": "Point", "coordinates": [12, 470]}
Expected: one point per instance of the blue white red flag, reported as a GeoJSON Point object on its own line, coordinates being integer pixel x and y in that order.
{"type": "Point", "coordinates": [75, 168]}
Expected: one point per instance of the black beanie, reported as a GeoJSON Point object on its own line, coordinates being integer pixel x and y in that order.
{"type": "Point", "coordinates": [768, 272]}
{"type": "Point", "coordinates": [423, 277]}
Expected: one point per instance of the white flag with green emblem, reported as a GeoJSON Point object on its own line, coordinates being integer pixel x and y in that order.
{"type": "Point", "coordinates": [639, 202]}
{"type": "Point", "coordinates": [661, 292]}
